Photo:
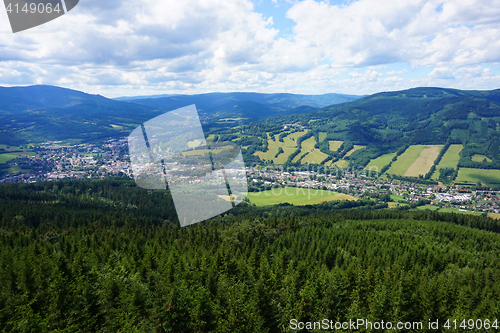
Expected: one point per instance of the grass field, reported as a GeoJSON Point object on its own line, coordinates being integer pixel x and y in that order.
{"type": "Point", "coordinates": [449, 160]}
{"type": "Point", "coordinates": [6, 157]}
{"type": "Point", "coordinates": [295, 196]}
{"type": "Point", "coordinates": [322, 136]}
{"type": "Point", "coordinates": [480, 158]}
{"type": "Point", "coordinates": [342, 163]}
{"type": "Point", "coordinates": [311, 154]}
{"type": "Point", "coordinates": [289, 145]}
{"type": "Point", "coordinates": [314, 157]}
{"type": "Point", "coordinates": [205, 151]}
{"type": "Point", "coordinates": [494, 215]}
{"type": "Point", "coordinates": [416, 160]}
{"type": "Point", "coordinates": [356, 147]}
{"type": "Point", "coordinates": [377, 164]}
{"type": "Point", "coordinates": [397, 198]}
{"type": "Point", "coordinates": [335, 145]}
{"type": "Point", "coordinates": [194, 143]}
{"type": "Point", "coordinates": [478, 175]}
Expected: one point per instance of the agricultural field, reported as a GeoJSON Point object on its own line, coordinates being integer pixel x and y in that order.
{"type": "Point", "coordinates": [485, 176]}
{"type": "Point", "coordinates": [340, 163]}
{"type": "Point", "coordinates": [494, 215]}
{"type": "Point", "coordinates": [8, 153]}
{"type": "Point", "coordinates": [480, 158]}
{"type": "Point", "coordinates": [335, 145]}
{"type": "Point", "coordinates": [322, 136]}
{"type": "Point", "coordinates": [311, 154]}
{"type": "Point", "coordinates": [377, 164]}
{"type": "Point", "coordinates": [289, 145]}
{"type": "Point", "coordinates": [295, 196]}
{"type": "Point", "coordinates": [449, 160]}
{"type": "Point", "coordinates": [416, 160]}
{"type": "Point", "coordinates": [356, 147]}
{"type": "Point", "coordinates": [314, 157]}
{"type": "Point", "coordinates": [201, 152]}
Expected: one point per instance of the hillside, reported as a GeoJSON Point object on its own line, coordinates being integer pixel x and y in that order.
{"type": "Point", "coordinates": [41, 113]}
{"type": "Point", "coordinates": [354, 134]}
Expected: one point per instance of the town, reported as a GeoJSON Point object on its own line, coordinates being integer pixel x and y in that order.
{"type": "Point", "coordinates": [59, 161]}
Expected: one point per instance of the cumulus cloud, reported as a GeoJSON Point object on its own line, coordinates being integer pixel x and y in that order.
{"type": "Point", "coordinates": [133, 47]}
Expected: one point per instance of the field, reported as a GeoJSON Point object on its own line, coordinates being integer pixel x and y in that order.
{"type": "Point", "coordinates": [356, 147]}
{"type": "Point", "coordinates": [11, 152]}
{"type": "Point", "coordinates": [449, 160]}
{"type": "Point", "coordinates": [335, 145]}
{"type": "Point", "coordinates": [206, 151]}
{"type": "Point", "coordinates": [289, 145]}
{"type": "Point", "coordinates": [314, 157]}
{"type": "Point", "coordinates": [340, 163]}
{"type": "Point", "coordinates": [416, 160]}
{"type": "Point", "coordinates": [480, 158]}
{"type": "Point", "coordinates": [478, 175]}
{"type": "Point", "coordinates": [494, 215]}
{"type": "Point", "coordinates": [380, 162]}
{"type": "Point", "coordinates": [295, 196]}
{"type": "Point", "coordinates": [322, 136]}
{"type": "Point", "coordinates": [309, 153]}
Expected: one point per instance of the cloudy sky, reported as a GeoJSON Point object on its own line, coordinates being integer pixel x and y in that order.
{"type": "Point", "coordinates": [141, 47]}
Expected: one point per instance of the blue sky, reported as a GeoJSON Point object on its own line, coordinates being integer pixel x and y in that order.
{"type": "Point", "coordinates": [141, 47]}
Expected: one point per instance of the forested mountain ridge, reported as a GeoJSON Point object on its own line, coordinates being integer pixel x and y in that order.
{"type": "Point", "coordinates": [388, 121]}
{"type": "Point", "coordinates": [41, 113]}
{"type": "Point", "coordinates": [265, 105]}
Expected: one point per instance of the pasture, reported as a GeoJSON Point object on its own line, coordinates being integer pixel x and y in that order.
{"type": "Point", "coordinates": [449, 160]}
{"type": "Point", "coordinates": [335, 145]}
{"type": "Point", "coordinates": [295, 196]}
{"type": "Point", "coordinates": [9, 153]}
{"type": "Point", "coordinates": [485, 176]}
{"type": "Point", "coordinates": [416, 160]}
{"type": "Point", "coordinates": [378, 163]}
{"type": "Point", "coordinates": [289, 145]}
{"type": "Point", "coordinates": [480, 158]}
{"type": "Point", "coordinates": [356, 147]}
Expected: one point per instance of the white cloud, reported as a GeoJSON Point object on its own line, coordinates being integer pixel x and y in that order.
{"type": "Point", "coordinates": [144, 46]}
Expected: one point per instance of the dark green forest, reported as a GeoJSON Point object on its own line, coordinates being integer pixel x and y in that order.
{"type": "Point", "coordinates": [106, 256]}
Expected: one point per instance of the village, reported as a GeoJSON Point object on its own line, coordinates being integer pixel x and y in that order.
{"type": "Point", "coordinates": [57, 161]}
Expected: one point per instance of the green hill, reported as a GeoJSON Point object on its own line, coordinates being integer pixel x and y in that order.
{"type": "Point", "coordinates": [389, 121]}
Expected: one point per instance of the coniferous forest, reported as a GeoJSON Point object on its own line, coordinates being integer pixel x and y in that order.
{"type": "Point", "coordinates": [106, 256]}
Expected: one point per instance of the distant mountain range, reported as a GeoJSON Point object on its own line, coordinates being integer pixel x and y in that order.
{"type": "Point", "coordinates": [41, 113]}
{"type": "Point", "coordinates": [215, 102]}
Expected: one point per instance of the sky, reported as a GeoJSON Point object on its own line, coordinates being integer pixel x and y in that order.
{"type": "Point", "coordinates": [145, 47]}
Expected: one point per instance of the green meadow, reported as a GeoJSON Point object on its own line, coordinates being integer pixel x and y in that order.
{"type": "Point", "coordinates": [416, 160]}
{"type": "Point", "coordinates": [485, 176]}
{"type": "Point", "coordinates": [449, 159]}
{"type": "Point", "coordinates": [295, 196]}
{"type": "Point", "coordinates": [380, 162]}
{"type": "Point", "coordinates": [334, 145]}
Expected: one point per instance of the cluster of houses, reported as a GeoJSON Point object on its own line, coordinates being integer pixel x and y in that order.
{"type": "Point", "coordinates": [54, 161]}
